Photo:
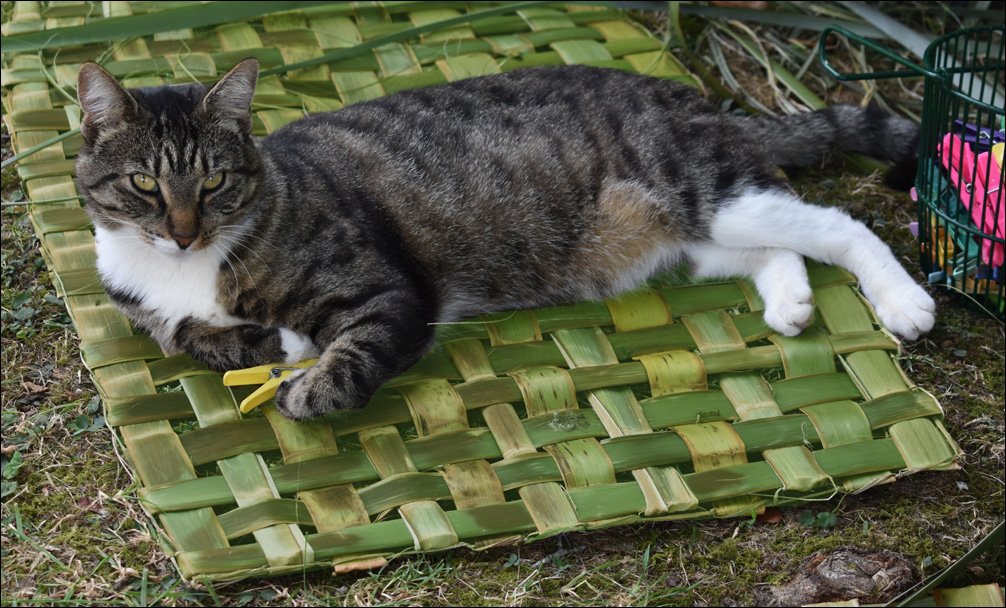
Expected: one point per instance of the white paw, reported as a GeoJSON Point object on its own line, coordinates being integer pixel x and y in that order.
{"type": "Point", "coordinates": [296, 346]}
{"type": "Point", "coordinates": [790, 314]}
{"type": "Point", "coordinates": [907, 311]}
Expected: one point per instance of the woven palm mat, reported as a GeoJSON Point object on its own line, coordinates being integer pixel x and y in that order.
{"type": "Point", "coordinates": [667, 402]}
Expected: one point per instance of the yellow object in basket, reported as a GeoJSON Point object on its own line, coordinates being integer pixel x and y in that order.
{"type": "Point", "coordinates": [269, 376]}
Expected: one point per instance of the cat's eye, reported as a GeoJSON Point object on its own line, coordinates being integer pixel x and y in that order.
{"type": "Point", "coordinates": [144, 182]}
{"type": "Point", "coordinates": [213, 182]}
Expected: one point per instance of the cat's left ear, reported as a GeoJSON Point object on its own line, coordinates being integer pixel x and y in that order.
{"type": "Point", "coordinates": [231, 97]}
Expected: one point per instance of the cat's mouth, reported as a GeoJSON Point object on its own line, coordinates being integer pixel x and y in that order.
{"type": "Point", "coordinates": [185, 242]}
{"type": "Point", "coordinates": [176, 248]}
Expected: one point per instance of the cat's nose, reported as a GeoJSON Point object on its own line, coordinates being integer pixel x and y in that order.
{"type": "Point", "coordinates": [183, 241]}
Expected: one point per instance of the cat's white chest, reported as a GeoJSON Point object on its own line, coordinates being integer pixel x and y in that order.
{"type": "Point", "coordinates": [174, 287]}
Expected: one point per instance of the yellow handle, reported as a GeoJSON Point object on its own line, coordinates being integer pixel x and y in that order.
{"type": "Point", "coordinates": [261, 394]}
{"type": "Point", "coordinates": [269, 376]}
{"type": "Point", "coordinates": [250, 375]}
{"type": "Point", "coordinates": [260, 374]}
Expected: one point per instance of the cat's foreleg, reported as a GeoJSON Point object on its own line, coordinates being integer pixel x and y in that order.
{"type": "Point", "coordinates": [775, 218]}
{"type": "Point", "coordinates": [240, 346]}
{"type": "Point", "coordinates": [359, 356]}
{"type": "Point", "coordinates": [779, 274]}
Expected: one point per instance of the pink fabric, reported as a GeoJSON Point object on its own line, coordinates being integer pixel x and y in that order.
{"type": "Point", "coordinates": [978, 181]}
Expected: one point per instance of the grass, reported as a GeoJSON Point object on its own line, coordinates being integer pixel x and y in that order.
{"type": "Point", "coordinates": [73, 532]}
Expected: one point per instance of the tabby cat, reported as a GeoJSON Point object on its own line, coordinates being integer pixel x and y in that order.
{"type": "Point", "coordinates": [346, 235]}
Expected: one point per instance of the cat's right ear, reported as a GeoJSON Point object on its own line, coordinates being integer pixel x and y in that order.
{"type": "Point", "coordinates": [102, 99]}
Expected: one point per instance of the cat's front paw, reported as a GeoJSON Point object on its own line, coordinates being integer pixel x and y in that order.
{"type": "Point", "coordinates": [908, 312]}
{"type": "Point", "coordinates": [310, 392]}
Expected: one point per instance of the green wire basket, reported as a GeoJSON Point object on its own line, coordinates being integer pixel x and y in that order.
{"type": "Point", "coordinates": [961, 205]}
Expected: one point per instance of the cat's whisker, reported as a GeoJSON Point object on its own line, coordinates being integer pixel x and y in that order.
{"type": "Point", "coordinates": [125, 238]}
{"type": "Point", "coordinates": [224, 244]}
{"type": "Point", "coordinates": [248, 272]}
{"type": "Point", "coordinates": [251, 278]}
{"type": "Point", "coordinates": [248, 232]}
{"type": "Point", "coordinates": [129, 236]}
{"type": "Point", "coordinates": [118, 220]}
{"type": "Point", "coordinates": [226, 258]}
{"type": "Point", "coordinates": [236, 240]}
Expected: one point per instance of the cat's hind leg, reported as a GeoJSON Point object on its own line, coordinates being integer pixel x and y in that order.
{"type": "Point", "coordinates": [776, 218]}
{"type": "Point", "coordinates": [779, 274]}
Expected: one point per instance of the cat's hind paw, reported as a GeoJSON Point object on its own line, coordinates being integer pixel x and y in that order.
{"type": "Point", "coordinates": [908, 312]}
{"type": "Point", "coordinates": [790, 313]}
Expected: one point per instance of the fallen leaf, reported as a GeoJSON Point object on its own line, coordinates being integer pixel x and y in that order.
{"type": "Point", "coordinates": [771, 515]}
{"type": "Point", "coordinates": [369, 564]}
{"type": "Point", "coordinates": [90, 505]}
{"type": "Point", "coordinates": [34, 389]}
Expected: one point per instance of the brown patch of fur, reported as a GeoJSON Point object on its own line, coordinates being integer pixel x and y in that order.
{"type": "Point", "coordinates": [629, 237]}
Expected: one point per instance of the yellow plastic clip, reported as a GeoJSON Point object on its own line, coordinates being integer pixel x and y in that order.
{"type": "Point", "coordinates": [269, 376]}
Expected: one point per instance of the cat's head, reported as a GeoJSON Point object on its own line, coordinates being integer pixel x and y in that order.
{"type": "Point", "coordinates": [175, 166]}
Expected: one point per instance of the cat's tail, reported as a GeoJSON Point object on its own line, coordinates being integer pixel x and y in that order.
{"type": "Point", "coordinates": [803, 139]}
